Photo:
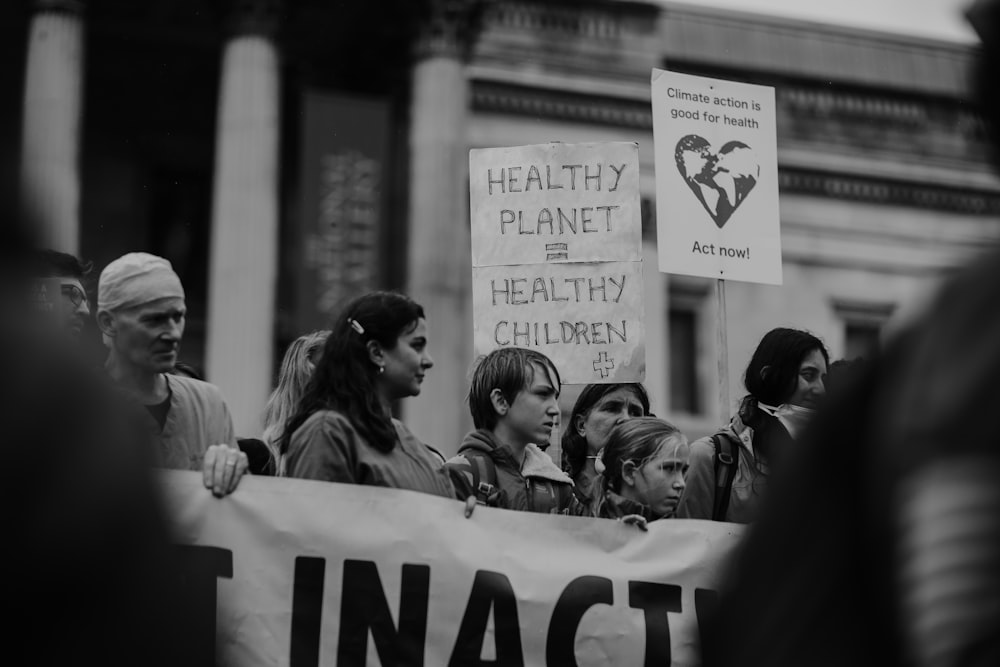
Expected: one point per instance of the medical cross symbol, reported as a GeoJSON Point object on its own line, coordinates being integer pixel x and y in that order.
{"type": "Point", "coordinates": [606, 364]}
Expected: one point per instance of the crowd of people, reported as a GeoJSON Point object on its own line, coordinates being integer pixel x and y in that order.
{"type": "Point", "coordinates": [330, 416]}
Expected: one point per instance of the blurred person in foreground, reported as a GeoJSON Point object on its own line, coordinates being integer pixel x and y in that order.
{"type": "Point", "coordinates": [140, 310]}
{"type": "Point", "coordinates": [730, 470]}
{"type": "Point", "coordinates": [87, 546]}
{"type": "Point", "coordinates": [297, 369]}
{"type": "Point", "coordinates": [882, 544]}
{"type": "Point", "coordinates": [598, 409]}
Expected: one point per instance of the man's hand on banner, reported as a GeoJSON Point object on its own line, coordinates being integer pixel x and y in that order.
{"type": "Point", "coordinates": [636, 520]}
{"type": "Point", "coordinates": [470, 506]}
{"type": "Point", "coordinates": [224, 467]}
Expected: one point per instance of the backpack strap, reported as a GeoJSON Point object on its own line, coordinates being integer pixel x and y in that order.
{"type": "Point", "coordinates": [727, 459]}
{"type": "Point", "coordinates": [484, 476]}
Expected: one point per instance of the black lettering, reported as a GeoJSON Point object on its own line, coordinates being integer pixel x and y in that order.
{"type": "Point", "coordinates": [499, 181]}
{"type": "Point", "coordinates": [199, 569]}
{"type": "Point", "coordinates": [587, 177]}
{"type": "Point", "coordinates": [655, 600]}
{"type": "Point", "coordinates": [307, 611]}
{"type": "Point", "coordinates": [496, 333]}
{"type": "Point", "coordinates": [706, 606]}
{"type": "Point", "coordinates": [363, 608]}
{"type": "Point", "coordinates": [489, 590]}
{"type": "Point", "coordinates": [620, 334]}
{"type": "Point", "coordinates": [579, 595]}
{"type": "Point", "coordinates": [526, 334]}
{"type": "Point", "coordinates": [533, 175]}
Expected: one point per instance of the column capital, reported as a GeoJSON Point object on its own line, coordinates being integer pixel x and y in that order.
{"type": "Point", "coordinates": [449, 28]}
{"type": "Point", "coordinates": [74, 7]}
{"type": "Point", "coordinates": [253, 17]}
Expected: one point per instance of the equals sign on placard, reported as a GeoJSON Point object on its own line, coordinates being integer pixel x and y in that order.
{"type": "Point", "coordinates": [554, 251]}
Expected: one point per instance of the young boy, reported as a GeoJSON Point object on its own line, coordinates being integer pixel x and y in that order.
{"type": "Point", "coordinates": [513, 403]}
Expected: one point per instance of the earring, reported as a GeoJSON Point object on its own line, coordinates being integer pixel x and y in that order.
{"type": "Point", "coordinates": [381, 369]}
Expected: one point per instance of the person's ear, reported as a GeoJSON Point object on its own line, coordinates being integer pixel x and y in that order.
{"type": "Point", "coordinates": [106, 323]}
{"type": "Point", "coordinates": [580, 424]}
{"type": "Point", "coordinates": [764, 372]}
{"type": "Point", "coordinates": [500, 405]}
{"type": "Point", "coordinates": [628, 473]}
{"type": "Point", "coordinates": [375, 353]}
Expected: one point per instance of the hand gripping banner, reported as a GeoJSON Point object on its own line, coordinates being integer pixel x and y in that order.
{"type": "Point", "coordinates": [308, 573]}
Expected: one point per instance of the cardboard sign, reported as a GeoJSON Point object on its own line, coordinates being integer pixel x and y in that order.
{"type": "Point", "coordinates": [716, 178]}
{"type": "Point", "coordinates": [556, 255]}
{"type": "Point", "coordinates": [305, 573]}
{"type": "Point", "coordinates": [587, 318]}
{"type": "Point", "coordinates": [555, 203]}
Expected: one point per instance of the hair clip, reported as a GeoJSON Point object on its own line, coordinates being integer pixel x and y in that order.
{"type": "Point", "coordinates": [356, 325]}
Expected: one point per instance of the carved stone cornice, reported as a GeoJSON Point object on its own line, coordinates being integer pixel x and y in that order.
{"type": "Point", "coordinates": [884, 191]}
{"type": "Point", "coordinates": [74, 7]}
{"type": "Point", "coordinates": [450, 28]}
{"type": "Point", "coordinates": [254, 17]}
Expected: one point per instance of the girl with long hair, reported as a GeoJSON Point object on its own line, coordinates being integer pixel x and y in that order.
{"type": "Point", "coordinates": [297, 369]}
{"type": "Point", "coordinates": [643, 466]}
{"type": "Point", "coordinates": [598, 409]}
{"type": "Point", "coordinates": [785, 384]}
{"type": "Point", "coordinates": [343, 430]}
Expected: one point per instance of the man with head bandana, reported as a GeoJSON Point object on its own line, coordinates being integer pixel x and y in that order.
{"type": "Point", "coordinates": [140, 310]}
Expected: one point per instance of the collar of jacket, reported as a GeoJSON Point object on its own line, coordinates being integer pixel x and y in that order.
{"type": "Point", "coordinates": [536, 463]}
{"type": "Point", "coordinates": [623, 506]}
{"type": "Point", "coordinates": [743, 433]}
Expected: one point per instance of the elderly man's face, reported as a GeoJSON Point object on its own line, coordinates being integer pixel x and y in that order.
{"type": "Point", "coordinates": [149, 336]}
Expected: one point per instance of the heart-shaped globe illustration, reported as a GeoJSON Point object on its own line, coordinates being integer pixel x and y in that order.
{"type": "Point", "coordinates": [721, 179]}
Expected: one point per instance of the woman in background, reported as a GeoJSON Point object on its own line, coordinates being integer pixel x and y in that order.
{"type": "Point", "coordinates": [785, 380]}
{"type": "Point", "coordinates": [296, 370]}
{"type": "Point", "coordinates": [598, 409]}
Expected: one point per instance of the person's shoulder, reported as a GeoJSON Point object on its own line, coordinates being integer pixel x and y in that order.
{"type": "Point", "coordinates": [203, 389]}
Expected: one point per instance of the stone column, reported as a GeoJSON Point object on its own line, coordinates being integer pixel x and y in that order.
{"type": "Point", "coordinates": [439, 265]}
{"type": "Point", "coordinates": [243, 265]}
{"type": "Point", "coordinates": [50, 137]}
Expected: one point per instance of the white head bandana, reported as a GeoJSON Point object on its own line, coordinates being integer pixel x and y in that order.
{"type": "Point", "coordinates": [135, 279]}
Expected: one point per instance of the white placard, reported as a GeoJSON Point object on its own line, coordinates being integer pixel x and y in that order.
{"type": "Point", "coordinates": [555, 203]}
{"type": "Point", "coordinates": [716, 156]}
{"type": "Point", "coordinates": [587, 318]}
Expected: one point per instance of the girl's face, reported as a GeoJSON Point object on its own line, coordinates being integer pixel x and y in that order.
{"type": "Point", "coordinates": [406, 363]}
{"type": "Point", "coordinates": [659, 483]}
{"type": "Point", "coordinates": [614, 408]}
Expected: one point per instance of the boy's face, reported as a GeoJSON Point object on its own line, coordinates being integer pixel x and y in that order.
{"type": "Point", "coordinates": [533, 412]}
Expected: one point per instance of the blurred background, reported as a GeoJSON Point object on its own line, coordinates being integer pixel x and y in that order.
{"type": "Point", "coordinates": [285, 155]}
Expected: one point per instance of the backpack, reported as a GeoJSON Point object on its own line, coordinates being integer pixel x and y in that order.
{"type": "Point", "coordinates": [484, 477]}
{"type": "Point", "coordinates": [727, 458]}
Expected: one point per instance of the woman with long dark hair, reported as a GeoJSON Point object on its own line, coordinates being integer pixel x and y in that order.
{"type": "Point", "coordinates": [642, 471]}
{"type": "Point", "coordinates": [343, 430]}
{"type": "Point", "coordinates": [598, 409]}
{"type": "Point", "coordinates": [729, 470]}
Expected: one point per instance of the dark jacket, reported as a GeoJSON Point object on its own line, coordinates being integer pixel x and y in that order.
{"type": "Point", "coordinates": [609, 505]}
{"type": "Point", "coordinates": [534, 485]}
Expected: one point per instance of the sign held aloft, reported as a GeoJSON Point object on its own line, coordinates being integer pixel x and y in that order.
{"type": "Point", "coordinates": [556, 255]}
{"type": "Point", "coordinates": [716, 155]}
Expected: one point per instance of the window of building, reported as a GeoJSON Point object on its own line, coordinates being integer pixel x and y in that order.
{"type": "Point", "coordinates": [687, 353]}
{"type": "Point", "coordinates": [684, 389]}
{"type": "Point", "coordinates": [863, 323]}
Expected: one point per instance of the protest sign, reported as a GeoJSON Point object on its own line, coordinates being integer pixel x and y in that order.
{"type": "Point", "coordinates": [556, 255]}
{"type": "Point", "coordinates": [555, 202]}
{"type": "Point", "coordinates": [587, 318]}
{"type": "Point", "coordinates": [304, 573]}
{"type": "Point", "coordinates": [715, 146]}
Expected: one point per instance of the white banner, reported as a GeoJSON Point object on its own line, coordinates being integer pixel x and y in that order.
{"type": "Point", "coordinates": [307, 573]}
{"type": "Point", "coordinates": [716, 156]}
